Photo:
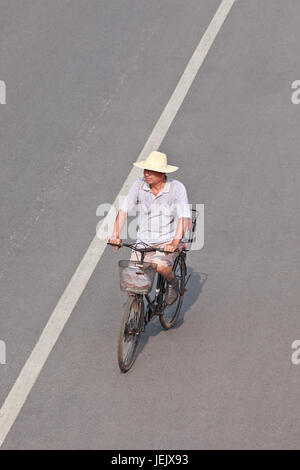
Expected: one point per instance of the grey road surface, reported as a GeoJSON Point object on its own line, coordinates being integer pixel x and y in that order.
{"type": "Point", "coordinates": [86, 83]}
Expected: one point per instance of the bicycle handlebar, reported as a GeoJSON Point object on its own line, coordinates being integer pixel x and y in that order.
{"type": "Point", "coordinates": [144, 250]}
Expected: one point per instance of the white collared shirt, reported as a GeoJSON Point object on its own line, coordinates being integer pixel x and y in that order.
{"type": "Point", "coordinates": [158, 215]}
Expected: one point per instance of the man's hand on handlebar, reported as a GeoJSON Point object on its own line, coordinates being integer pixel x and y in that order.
{"type": "Point", "coordinates": [171, 247]}
{"type": "Point", "coordinates": [116, 241]}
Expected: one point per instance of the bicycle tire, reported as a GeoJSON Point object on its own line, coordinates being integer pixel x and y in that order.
{"type": "Point", "coordinates": [170, 314]}
{"type": "Point", "coordinates": [130, 328]}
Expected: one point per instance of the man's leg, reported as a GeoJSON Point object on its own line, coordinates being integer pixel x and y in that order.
{"type": "Point", "coordinates": [167, 272]}
{"type": "Point", "coordinates": [172, 284]}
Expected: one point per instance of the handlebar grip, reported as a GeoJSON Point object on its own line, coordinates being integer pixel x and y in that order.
{"type": "Point", "coordinates": [163, 251]}
{"type": "Point", "coordinates": [114, 244]}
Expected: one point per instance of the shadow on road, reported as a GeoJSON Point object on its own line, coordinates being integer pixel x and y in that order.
{"type": "Point", "coordinates": [194, 289]}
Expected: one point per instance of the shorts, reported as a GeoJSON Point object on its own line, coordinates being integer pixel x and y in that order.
{"type": "Point", "coordinates": [156, 257]}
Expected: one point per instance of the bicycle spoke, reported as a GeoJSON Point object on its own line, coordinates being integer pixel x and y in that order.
{"type": "Point", "coordinates": [129, 335]}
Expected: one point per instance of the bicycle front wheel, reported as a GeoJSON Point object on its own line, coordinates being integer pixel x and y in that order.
{"type": "Point", "coordinates": [130, 332]}
{"type": "Point", "coordinates": [170, 313]}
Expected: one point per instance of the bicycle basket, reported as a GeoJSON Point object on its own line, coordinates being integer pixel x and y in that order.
{"type": "Point", "coordinates": [136, 277]}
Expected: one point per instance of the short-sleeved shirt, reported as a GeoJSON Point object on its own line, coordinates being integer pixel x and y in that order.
{"type": "Point", "coordinates": [158, 215]}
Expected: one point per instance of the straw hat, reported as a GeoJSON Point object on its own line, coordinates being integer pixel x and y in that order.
{"type": "Point", "coordinates": [156, 161]}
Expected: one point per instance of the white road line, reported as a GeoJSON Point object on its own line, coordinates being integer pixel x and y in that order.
{"type": "Point", "coordinates": [35, 363]}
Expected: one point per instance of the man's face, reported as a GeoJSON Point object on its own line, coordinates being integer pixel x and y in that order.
{"type": "Point", "coordinates": [154, 177]}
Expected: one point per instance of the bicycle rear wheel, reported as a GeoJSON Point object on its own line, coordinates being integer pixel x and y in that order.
{"type": "Point", "coordinates": [170, 314]}
{"type": "Point", "coordinates": [130, 332]}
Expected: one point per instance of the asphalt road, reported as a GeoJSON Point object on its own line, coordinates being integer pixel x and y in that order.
{"type": "Point", "coordinates": [86, 82]}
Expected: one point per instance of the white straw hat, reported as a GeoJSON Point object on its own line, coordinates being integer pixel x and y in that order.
{"type": "Point", "coordinates": [156, 161]}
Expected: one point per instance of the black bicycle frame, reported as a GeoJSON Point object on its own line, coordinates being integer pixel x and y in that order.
{"type": "Point", "coordinates": [155, 307]}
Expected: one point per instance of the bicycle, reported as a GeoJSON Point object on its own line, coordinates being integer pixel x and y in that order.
{"type": "Point", "coordinates": [136, 316]}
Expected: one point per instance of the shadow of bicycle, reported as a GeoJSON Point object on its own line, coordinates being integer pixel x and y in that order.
{"type": "Point", "coordinates": [194, 289]}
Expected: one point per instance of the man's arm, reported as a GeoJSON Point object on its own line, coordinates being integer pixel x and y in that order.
{"type": "Point", "coordinates": [127, 206]}
{"type": "Point", "coordinates": [119, 223]}
{"type": "Point", "coordinates": [184, 217]}
{"type": "Point", "coordinates": [184, 223]}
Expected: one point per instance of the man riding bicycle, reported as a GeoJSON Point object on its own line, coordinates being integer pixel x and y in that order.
{"type": "Point", "coordinates": [163, 218]}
